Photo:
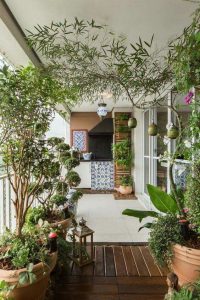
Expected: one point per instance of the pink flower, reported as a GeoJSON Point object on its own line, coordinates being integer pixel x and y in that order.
{"type": "Point", "coordinates": [185, 210]}
{"type": "Point", "coordinates": [181, 221]}
{"type": "Point", "coordinates": [188, 97]}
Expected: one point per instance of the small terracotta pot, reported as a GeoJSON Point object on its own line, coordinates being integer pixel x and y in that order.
{"type": "Point", "coordinates": [186, 264]}
{"type": "Point", "coordinates": [125, 190]}
{"type": "Point", "coordinates": [63, 226]}
{"type": "Point", "coordinates": [35, 291]}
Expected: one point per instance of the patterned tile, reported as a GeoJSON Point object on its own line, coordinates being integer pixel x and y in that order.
{"type": "Point", "coordinates": [102, 175]}
{"type": "Point", "coordinates": [180, 173]}
{"type": "Point", "coordinates": [79, 138]}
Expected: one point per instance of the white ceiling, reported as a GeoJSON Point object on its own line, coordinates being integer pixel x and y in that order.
{"type": "Point", "coordinates": [133, 18]}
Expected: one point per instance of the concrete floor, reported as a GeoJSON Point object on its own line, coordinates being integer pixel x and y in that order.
{"type": "Point", "coordinates": [104, 215]}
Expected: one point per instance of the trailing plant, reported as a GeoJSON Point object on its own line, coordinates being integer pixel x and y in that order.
{"type": "Point", "coordinates": [165, 231]}
{"type": "Point", "coordinates": [94, 59]}
{"type": "Point", "coordinates": [76, 196]}
{"type": "Point", "coordinates": [123, 129]}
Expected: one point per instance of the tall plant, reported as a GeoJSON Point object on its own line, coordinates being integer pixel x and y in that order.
{"type": "Point", "coordinates": [28, 98]}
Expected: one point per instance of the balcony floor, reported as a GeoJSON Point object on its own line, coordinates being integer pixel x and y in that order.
{"type": "Point", "coordinates": [119, 273]}
{"type": "Point", "coordinates": [104, 215]}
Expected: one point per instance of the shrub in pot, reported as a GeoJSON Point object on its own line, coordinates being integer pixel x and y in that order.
{"type": "Point", "coordinates": [28, 99]}
{"type": "Point", "coordinates": [126, 184]}
{"type": "Point", "coordinates": [169, 246]}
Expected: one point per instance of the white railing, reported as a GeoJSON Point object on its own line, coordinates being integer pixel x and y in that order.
{"type": "Point", "coordinates": [7, 214]}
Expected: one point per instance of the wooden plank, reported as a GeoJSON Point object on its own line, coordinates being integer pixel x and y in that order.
{"type": "Point", "coordinates": [143, 288]}
{"type": "Point", "coordinates": [99, 261]}
{"type": "Point", "coordinates": [141, 297]}
{"type": "Point", "coordinates": [99, 289]}
{"type": "Point", "coordinates": [88, 270]}
{"type": "Point", "coordinates": [129, 261]}
{"type": "Point", "coordinates": [119, 261]}
{"type": "Point", "coordinates": [109, 261]}
{"type": "Point", "coordinates": [140, 263]}
{"type": "Point", "coordinates": [152, 267]}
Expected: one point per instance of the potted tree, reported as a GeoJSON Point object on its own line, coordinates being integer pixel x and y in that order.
{"type": "Point", "coordinates": [28, 98]}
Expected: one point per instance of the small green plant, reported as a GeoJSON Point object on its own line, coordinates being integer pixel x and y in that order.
{"type": "Point", "coordinates": [165, 231]}
{"type": "Point", "coordinates": [188, 292]}
{"type": "Point", "coordinates": [123, 128]}
{"type": "Point", "coordinates": [5, 290]}
{"type": "Point", "coordinates": [123, 117]}
{"type": "Point", "coordinates": [126, 180]}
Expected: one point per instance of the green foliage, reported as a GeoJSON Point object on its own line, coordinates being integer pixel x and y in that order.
{"type": "Point", "coordinates": [92, 59]}
{"type": "Point", "coordinates": [28, 100]}
{"type": "Point", "coordinates": [165, 231]}
{"type": "Point", "coordinates": [54, 141]}
{"type": "Point", "coordinates": [64, 249]}
{"type": "Point", "coordinates": [76, 196]}
{"type": "Point", "coordinates": [35, 214]}
{"type": "Point", "coordinates": [161, 200]}
{"type": "Point", "coordinates": [27, 276]}
{"type": "Point", "coordinates": [21, 251]}
{"type": "Point", "coordinates": [58, 199]}
{"type": "Point", "coordinates": [122, 153]}
{"type": "Point", "coordinates": [73, 178]}
{"type": "Point", "coordinates": [140, 214]}
{"type": "Point", "coordinates": [62, 147]}
{"type": "Point", "coordinates": [126, 180]}
{"type": "Point", "coordinates": [71, 163]}
{"type": "Point", "coordinates": [61, 187]}
{"type": "Point", "coordinates": [124, 117]}
{"type": "Point", "coordinates": [192, 196]}
{"type": "Point", "coordinates": [5, 290]}
{"type": "Point", "coordinates": [184, 56]}
{"type": "Point", "coordinates": [123, 128]}
{"type": "Point", "coordinates": [188, 292]}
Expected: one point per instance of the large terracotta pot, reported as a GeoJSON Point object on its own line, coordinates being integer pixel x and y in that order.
{"type": "Point", "coordinates": [35, 291]}
{"type": "Point", "coordinates": [186, 263]}
{"type": "Point", "coordinates": [125, 190]}
{"type": "Point", "coordinates": [63, 226]}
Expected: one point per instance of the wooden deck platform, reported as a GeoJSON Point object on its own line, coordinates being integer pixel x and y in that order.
{"type": "Point", "coordinates": [119, 273]}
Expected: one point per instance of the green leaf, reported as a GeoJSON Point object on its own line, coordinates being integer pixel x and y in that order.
{"type": "Point", "coordinates": [140, 214]}
{"type": "Point", "coordinates": [30, 267]}
{"type": "Point", "coordinates": [23, 278]}
{"type": "Point", "coordinates": [146, 225]}
{"type": "Point", "coordinates": [161, 200]}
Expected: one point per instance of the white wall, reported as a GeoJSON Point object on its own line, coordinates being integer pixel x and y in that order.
{"type": "Point", "coordinates": [59, 128]}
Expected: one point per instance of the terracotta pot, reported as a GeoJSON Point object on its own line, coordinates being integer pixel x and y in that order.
{"type": "Point", "coordinates": [125, 190]}
{"type": "Point", "coordinates": [35, 291]}
{"type": "Point", "coordinates": [62, 225]}
{"type": "Point", "coordinates": [186, 264]}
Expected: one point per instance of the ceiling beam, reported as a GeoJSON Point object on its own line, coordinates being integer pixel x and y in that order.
{"type": "Point", "coordinates": [10, 21]}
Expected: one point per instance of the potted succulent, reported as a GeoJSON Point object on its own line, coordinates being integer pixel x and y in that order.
{"type": "Point", "coordinates": [28, 99]}
{"type": "Point", "coordinates": [126, 185]}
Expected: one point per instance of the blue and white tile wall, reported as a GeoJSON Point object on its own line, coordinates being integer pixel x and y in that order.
{"type": "Point", "coordinates": [102, 175]}
{"type": "Point", "coordinates": [180, 173]}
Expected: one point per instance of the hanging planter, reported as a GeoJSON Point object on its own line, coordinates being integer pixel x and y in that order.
{"type": "Point", "coordinates": [102, 110]}
{"type": "Point", "coordinates": [132, 122]}
{"type": "Point", "coordinates": [153, 129]}
{"type": "Point", "coordinates": [172, 131]}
